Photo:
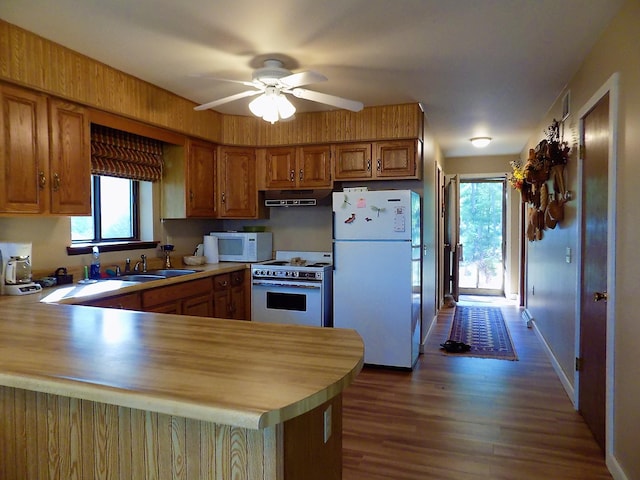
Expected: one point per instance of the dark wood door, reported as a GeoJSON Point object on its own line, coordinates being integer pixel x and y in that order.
{"type": "Point", "coordinates": [593, 321]}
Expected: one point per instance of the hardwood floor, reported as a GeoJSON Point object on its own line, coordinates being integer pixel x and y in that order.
{"type": "Point", "coordinates": [467, 418]}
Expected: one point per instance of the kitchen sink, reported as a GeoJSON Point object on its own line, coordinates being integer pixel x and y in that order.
{"type": "Point", "coordinates": [171, 272]}
{"type": "Point", "coordinates": [139, 277]}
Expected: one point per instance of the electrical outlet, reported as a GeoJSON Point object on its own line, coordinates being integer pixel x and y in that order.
{"type": "Point", "coordinates": [327, 424]}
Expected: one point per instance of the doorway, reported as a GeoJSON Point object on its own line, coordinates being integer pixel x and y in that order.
{"type": "Point", "coordinates": [482, 205]}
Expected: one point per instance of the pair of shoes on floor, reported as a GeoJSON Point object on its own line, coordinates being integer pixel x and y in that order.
{"type": "Point", "coordinates": [452, 346]}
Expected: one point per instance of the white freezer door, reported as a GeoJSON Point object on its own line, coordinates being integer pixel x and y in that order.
{"type": "Point", "coordinates": [373, 295]}
{"type": "Point", "coordinates": [380, 215]}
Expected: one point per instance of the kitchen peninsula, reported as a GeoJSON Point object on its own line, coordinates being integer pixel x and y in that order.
{"type": "Point", "coordinates": [103, 393]}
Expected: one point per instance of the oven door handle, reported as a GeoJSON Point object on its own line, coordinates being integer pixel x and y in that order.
{"type": "Point", "coordinates": [271, 283]}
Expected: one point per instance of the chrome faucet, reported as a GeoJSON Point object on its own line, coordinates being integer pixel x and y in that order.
{"type": "Point", "coordinates": [116, 268]}
{"type": "Point", "coordinates": [143, 262]}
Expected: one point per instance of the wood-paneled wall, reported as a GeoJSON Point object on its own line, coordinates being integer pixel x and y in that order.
{"type": "Point", "coordinates": [32, 61]}
{"type": "Point", "coordinates": [54, 437]}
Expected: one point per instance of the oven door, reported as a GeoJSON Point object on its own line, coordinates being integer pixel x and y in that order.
{"type": "Point", "coordinates": [291, 302]}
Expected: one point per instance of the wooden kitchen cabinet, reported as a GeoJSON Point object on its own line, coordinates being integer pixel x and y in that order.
{"type": "Point", "coordinates": [237, 189]}
{"type": "Point", "coordinates": [189, 182]}
{"type": "Point", "coordinates": [229, 295]}
{"type": "Point", "coordinates": [384, 160]}
{"type": "Point", "coordinates": [188, 298]}
{"type": "Point", "coordinates": [70, 159]}
{"type": "Point", "coordinates": [24, 158]}
{"type": "Point", "coordinates": [45, 159]}
{"type": "Point", "coordinates": [201, 179]}
{"type": "Point", "coordinates": [128, 301]}
{"type": "Point", "coordinates": [298, 167]}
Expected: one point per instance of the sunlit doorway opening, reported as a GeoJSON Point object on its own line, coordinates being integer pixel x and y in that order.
{"type": "Point", "coordinates": [482, 235]}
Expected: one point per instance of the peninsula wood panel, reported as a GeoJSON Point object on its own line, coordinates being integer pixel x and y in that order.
{"type": "Point", "coordinates": [49, 436]}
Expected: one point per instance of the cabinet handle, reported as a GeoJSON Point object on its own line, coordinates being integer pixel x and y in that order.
{"type": "Point", "coordinates": [56, 182]}
{"type": "Point", "coordinates": [191, 195]}
{"type": "Point", "coordinates": [369, 165]}
{"type": "Point", "coordinates": [42, 180]}
{"type": "Point", "coordinates": [292, 175]}
{"type": "Point", "coordinates": [224, 198]}
{"type": "Point", "coordinates": [379, 165]}
{"type": "Point", "coordinates": [301, 174]}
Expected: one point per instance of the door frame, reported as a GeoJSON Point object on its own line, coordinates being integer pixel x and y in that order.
{"type": "Point", "coordinates": [504, 205]}
{"type": "Point", "coordinates": [611, 86]}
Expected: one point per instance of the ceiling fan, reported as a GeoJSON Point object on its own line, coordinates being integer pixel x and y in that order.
{"type": "Point", "coordinates": [273, 82]}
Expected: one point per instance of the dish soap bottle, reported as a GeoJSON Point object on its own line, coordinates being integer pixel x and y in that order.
{"type": "Point", "coordinates": [94, 272]}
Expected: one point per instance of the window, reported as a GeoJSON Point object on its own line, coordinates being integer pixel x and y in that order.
{"type": "Point", "coordinates": [115, 212]}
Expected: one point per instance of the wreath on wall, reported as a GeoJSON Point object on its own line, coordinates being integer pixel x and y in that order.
{"type": "Point", "coordinates": [545, 163]}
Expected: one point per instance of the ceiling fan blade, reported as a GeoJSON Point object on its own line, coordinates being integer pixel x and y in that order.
{"type": "Point", "coordinates": [302, 78]}
{"type": "Point", "coordinates": [230, 98]}
{"type": "Point", "coordinates": [339, 102]}
{"type": "Point", "coordinates": [218, 79]}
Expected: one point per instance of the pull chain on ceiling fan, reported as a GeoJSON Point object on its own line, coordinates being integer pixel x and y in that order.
{"type": "Point", "coordinates": [273, 82]}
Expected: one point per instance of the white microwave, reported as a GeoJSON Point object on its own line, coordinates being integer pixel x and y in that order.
{"type": "Point", "coordinates": [244, 246]}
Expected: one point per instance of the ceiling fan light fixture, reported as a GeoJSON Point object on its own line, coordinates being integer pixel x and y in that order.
{"type": "Point", "coordinates": [480, 142]}
{"type": "Point", "coordinates": [272, 106]}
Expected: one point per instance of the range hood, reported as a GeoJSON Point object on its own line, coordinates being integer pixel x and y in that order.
{"type": "Point", "coordinates": [296, 198]}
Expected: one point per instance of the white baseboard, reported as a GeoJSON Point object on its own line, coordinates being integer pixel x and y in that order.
{"type": "Point", "coordinates": [614, 468]}
{"type": "Point", "coordinates": [568, 387]}
{"type": "Point", "coordinates": [429, 330]}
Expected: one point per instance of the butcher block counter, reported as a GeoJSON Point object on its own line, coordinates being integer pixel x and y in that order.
{"type": "Point", "coordinates": [103, 393]}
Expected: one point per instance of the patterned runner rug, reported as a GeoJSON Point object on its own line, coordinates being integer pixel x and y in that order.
{"type": "Point", "coordinates": [485, 330]}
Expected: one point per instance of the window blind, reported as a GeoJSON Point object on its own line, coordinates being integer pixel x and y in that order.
{"type": "Point", "coordinates": [121, 154]}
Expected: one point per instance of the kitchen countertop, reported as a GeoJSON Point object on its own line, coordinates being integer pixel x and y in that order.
{"type": "Point", "coordinates": [76, 292]}
{"type": "Point", "coordinates": [245, 374]}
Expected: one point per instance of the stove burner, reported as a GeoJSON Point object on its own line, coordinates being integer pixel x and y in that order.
{"type": "Point", "coordinates": [319, 264]}
{"type": "Point", "coordinates": [278, 262]}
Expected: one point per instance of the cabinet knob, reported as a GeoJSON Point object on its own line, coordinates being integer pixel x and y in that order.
{"type": "Point", "coordinates": [42, 180]}
{"type": "Point", "coordinates": [56, 182]}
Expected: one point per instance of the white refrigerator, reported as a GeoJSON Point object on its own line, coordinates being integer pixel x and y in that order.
{"type": "Point", "coordinates": [377, 270]}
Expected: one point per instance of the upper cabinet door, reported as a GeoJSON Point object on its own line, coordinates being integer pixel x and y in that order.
{"type": "Point", "coordinates": [280, 167]}
{"type": "Point", "coordinates": [201, 179]}
{"type": "Point", "coordinates": [70, 161]}
{"type": "Point", "coordinates": [237, 190]}
{"type": "Point", "coordinates": [396, 159]}
{"type": "Point", "coordinates": [314, 166]}
{"type": "Point", "coordinates": [24, 153]}
{"type": "Point", "coordinates": [353, 161]}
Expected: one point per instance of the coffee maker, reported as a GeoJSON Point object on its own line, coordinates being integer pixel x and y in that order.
{"type": "Point", "coordinates": [15, 269]}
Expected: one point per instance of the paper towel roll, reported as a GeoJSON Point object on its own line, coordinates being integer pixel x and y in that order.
{"type": "Point", "coordinates": [211, 248]}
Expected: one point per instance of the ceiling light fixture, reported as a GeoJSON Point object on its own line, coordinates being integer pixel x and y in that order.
{"type": "Point", "coordinates": [480, 142]}
{"type": "Point", "coordinates": [272, 106]}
